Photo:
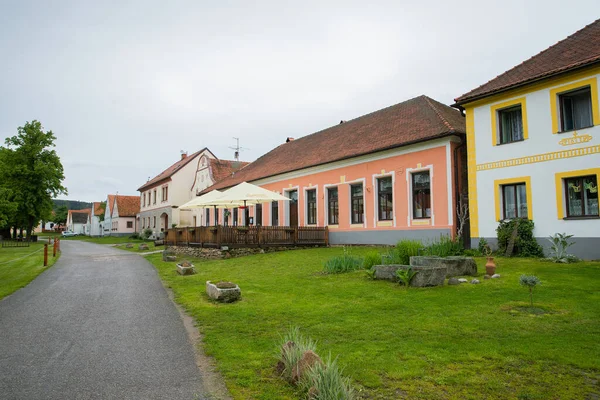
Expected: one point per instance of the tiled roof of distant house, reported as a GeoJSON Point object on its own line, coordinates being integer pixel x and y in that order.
{"type": "Point", "coordinates": [80, 216]}
{"type": "Point", "coordinates": [579, 50]}
{"type": "Point", "coordinates": [99, 208]}
{"type": "Point", "coordinates": [128, 206]}
{"type": "Point", "coordinates": [412, 121]}
{"type": "Point", "coordinates": [221, 169]}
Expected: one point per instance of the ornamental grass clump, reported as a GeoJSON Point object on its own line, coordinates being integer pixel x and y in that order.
{"type": "Point", "coordinates": [371, 259]}
{"type": "Point", "coordinates": [445, 247]}
{"type": "Point", "coordinates": [402, 252]}
{"type": "Point", "coordinates": [324, 381]}
{"type": "Point", "coordinates": [293, 346]}
{"type": "Point", "coordinates": [344, 263]}
{"type": "Point", "coordinates": [530, 282]}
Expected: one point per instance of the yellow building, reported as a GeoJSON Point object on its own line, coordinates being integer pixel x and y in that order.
{"type": "Point", "coordinates": [533, 140]}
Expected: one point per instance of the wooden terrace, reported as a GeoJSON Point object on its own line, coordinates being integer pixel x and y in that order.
{"type": "Point", "coordinates": [247, 236]}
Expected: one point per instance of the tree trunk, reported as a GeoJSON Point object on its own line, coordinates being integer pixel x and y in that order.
{"type": "Point", "coordinates": [29, 227]}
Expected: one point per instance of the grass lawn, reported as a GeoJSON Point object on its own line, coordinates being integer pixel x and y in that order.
{"type": "Point", "coordinates": [467, 341]}
{"type": "Point", "coordinates": [18, 266]}
{"type": "Point", "coordinates": [136, 245]}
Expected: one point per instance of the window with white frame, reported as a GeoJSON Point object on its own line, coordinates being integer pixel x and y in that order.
{"type": "Point", "coordinates": [311, 207]}
{"type": "Point", "coordinates": [258, 215]}
{"type": "Point", "coordinates": [333, 209]}
{"type": "Point", "coordinates": [385, 200]}
{"type": "Point", "coordinates": [275, 213]}
{"type": "Point", "coordinates": [510, 121]}
{"type": "Point", "coordinates": [421, 195]}
{"type": "Point", "coordinates": [357, 203]}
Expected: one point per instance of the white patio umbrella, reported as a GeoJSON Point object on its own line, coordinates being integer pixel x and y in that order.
{"type": "Point", "coordinates": [246, 193]}
{"type": "Point", "coordinates": [200, 202]}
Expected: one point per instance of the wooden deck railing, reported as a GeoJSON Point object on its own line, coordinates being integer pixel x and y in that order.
{"type": "Point", "coordinates": [247, 236]}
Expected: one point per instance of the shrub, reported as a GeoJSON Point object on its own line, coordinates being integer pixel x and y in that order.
{"type": "Point", "coordinates": [405, 276]}
{"type": "Point", "coordinates": [134, 236]}
{"type": "Point", "coordinates": [445, 247]}
{"type": "Point", "coordinates": [343, 263]}
{"type": "Point", "coordinates": [403, 251]}
{"type": "Point", "coordinates": [472, 253]}
{"type": "Point", "coordinates": [483, 245]}
{"type": "Point", "coordinates": [326, 382]}
{"type": "Point", "coordinates": [370, 273]}
{"type": "Point", "coordinates": [530, 282]}
{"type": "Point", "coordinates": [293, 345]}
{"type": "Point", "coordinates": [372, 258]}
{"type": "Point", "coordinates": [525, 243]}
{"type": "Point", "coordinates": [560, 244]}
{"type": "Point", "coordinates": [147, 233]}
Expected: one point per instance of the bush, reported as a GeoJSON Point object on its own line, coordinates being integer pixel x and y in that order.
{"type": "Point", "coordinates": [326, 382]}
{"type": "Point", "coordinates": [403, 251]}
{"type": "Point", "coordinates": [483, 245]}
{"type": "Point", "coordinates": [530, 282]}
{"type": "Point", "coordinates": [445, 247]}
{"type": "Point", "coordinates": [147, 232]}
{"type": "Point", "coordinates": [372, 258]}
{"type": "Point", "coordinates": [134, 236]}
{"type": "Point", "coordinates": [559, 245]}
{"type": "Point", "coordinates": [472, 253]}
{"type": "Point", "coordinates": [525, 243]}
{"type": "Point", "coordinates": [405, 276]}
{"type": "Point", "coordinates": [344, 263]}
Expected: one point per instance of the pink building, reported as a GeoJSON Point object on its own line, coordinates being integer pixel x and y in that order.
{"type": "Point", "coordinates": [392, 174]}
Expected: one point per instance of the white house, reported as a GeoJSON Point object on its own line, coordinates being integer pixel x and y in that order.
{"type": "Point", "coordinates": [79, 221]}
{"type": "Point", "coordinates": [162, 195]}
{"type": "Point", "coordinates": [96, 226]}
{"type": "Point", "coordinates": [533, 136]}
{"type": "Point", "coordinates": [120, 215]}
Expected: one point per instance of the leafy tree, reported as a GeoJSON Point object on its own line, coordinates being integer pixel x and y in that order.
{"type": "Point", "coordinates": [7, 207]}
{"type": "Point", "coordinates": [60, 215]}
{"type": "Point", "coordinates": [32, 171]}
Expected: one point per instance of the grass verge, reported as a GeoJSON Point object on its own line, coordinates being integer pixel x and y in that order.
{"type": "Point", "coordinates": [447, 342]}
{"type": "Point", "coordinates": [20, 265]}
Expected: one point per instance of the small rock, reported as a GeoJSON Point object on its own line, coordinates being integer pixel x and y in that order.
{"type": "Point", "coordinates": [143, 246]}
{"type": "Point", "coordinates": [475, 281]}
{"type": "Point", "coordinates": [453, 281]}
{"type": "Point", "coordinates": [495, 276]}
{"type": "Point", "coordinates": [308, 360]}
{"type": "Point", "coordinates": [129, 246]}
{"type": "Point", "coordinates": [462, 280]}
{"type": "Point", "coordinates": [487, 277]}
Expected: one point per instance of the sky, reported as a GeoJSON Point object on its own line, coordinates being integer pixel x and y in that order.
{"type": "Point", "coordinates": [127, 85]}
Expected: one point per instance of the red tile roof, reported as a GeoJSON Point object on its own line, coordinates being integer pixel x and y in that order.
{"type": "Point", "coordinates": [167, 173]}
{"type": "Point", "coordinates": [99, 208]}
{"type": "Point", "coordinates": [579, 50]}
{"type": "Point", "coordinates": [128, 206]}
{"type": "Point", "coordinates": [412, 121]}
{"type": "Point", "coordinates": [111, 202]}
{"type": "Point", "coordinates": [221, 169]}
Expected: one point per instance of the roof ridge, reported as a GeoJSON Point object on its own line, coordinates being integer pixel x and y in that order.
{"type": "Point", "coordinates": [439, 114]}
{"type": "Point", "coordinates": [465, 95]}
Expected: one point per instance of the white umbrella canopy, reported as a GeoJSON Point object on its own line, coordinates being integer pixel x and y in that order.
{"type": "Point", "coordinates": [202, 201]}
{"type": "Point", "coordinates": [247, 193]}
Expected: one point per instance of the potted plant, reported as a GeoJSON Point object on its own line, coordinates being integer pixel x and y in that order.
{"type": "Point", "coordinates": [490, 265]}
{"type": "Point", "coordinates": [185, 268]}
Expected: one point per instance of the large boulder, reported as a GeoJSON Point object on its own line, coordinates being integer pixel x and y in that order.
{"type": "Point", "coordinates": [387, 272]}
{"type": "Point", "coordinates": [455, 266]}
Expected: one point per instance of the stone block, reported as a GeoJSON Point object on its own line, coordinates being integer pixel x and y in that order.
{"type": "Point", "coordinates": [185, 270]}
{"type": "Point", "coordinates": [227, 295]}
{"type": "Point", "coordinates": [456, 266]}
{"type": "Point", "coordinates": [425, 275]}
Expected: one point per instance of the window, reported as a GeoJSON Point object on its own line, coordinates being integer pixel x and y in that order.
{"type": "Point", "coordinates": [510, 125]}
{"type": "Point", "coordinates": [143, 223]}
{"type": "Point", "coordinates": [311, 207]}
{"type": "Point", "coordinates": [421, 193]}
{"type": "Point", "coordinates": [575, 109]}
{"type": "Point", "coordinates": [385, 199]}
{"type": "Point", "coordinates": [357, 207]}
{"type": "Point", "coordinates": [514, 201]}
{"type": "Point", "coordinates": [154, 225]}
{"type": "Point", "coordinates": [258, 215]}
{"type": "Point", "coordinates": [275, 213]}
{"type": "Point", "coordinates": [207, 217]}
{"type": "Point", "coordinates": [582, 196]}
{"type": "Point", "coordinates": [129, 224]}
{"type": "Point", "coordinates": [165, 194]}
{"type": "Point", "coordinates": [332, 206]}
{"type": "Point", "coordinates": [235, 217]}
{"type": "Point", "coordinates": [195, 221]}
{"type": "Point", "coordinates": [144, 199]}
{"type": "Point", "coordinates": [154, 197]}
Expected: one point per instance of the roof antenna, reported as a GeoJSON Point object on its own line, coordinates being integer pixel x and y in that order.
{"type": "Point", "coordinates": [237, 148]}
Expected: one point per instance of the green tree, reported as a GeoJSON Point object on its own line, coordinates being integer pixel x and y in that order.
{"type": "Point", "coordinates": [60, 215]}
{"type": "Point", "coordinates": [33, 173]}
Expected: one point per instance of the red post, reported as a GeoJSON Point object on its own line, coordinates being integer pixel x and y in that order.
{"type": "Point", "coordinates": [45, 255]}
{"type": "Point", "coordinates": [49, 240]}
{"type": "Point", "coordinates": [58, 244]}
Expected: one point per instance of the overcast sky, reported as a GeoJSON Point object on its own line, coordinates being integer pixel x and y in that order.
{"type": "Point", "coordinates": [126, 85]}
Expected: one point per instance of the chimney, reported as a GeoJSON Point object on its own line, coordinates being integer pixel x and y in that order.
{"type": "Point", "coordinates": [183, 155]}
{"type": "Point", "coordinates": [342, 121]}
{"type": "Point", "coordinates": [289, 139]}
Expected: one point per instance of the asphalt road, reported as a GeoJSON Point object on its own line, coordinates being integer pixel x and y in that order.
{"type": "Point", "coordinates": [96, 325]}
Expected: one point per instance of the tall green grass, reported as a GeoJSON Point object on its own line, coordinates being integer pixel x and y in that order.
{"type": "Point", "coordinates": [344, 263]}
